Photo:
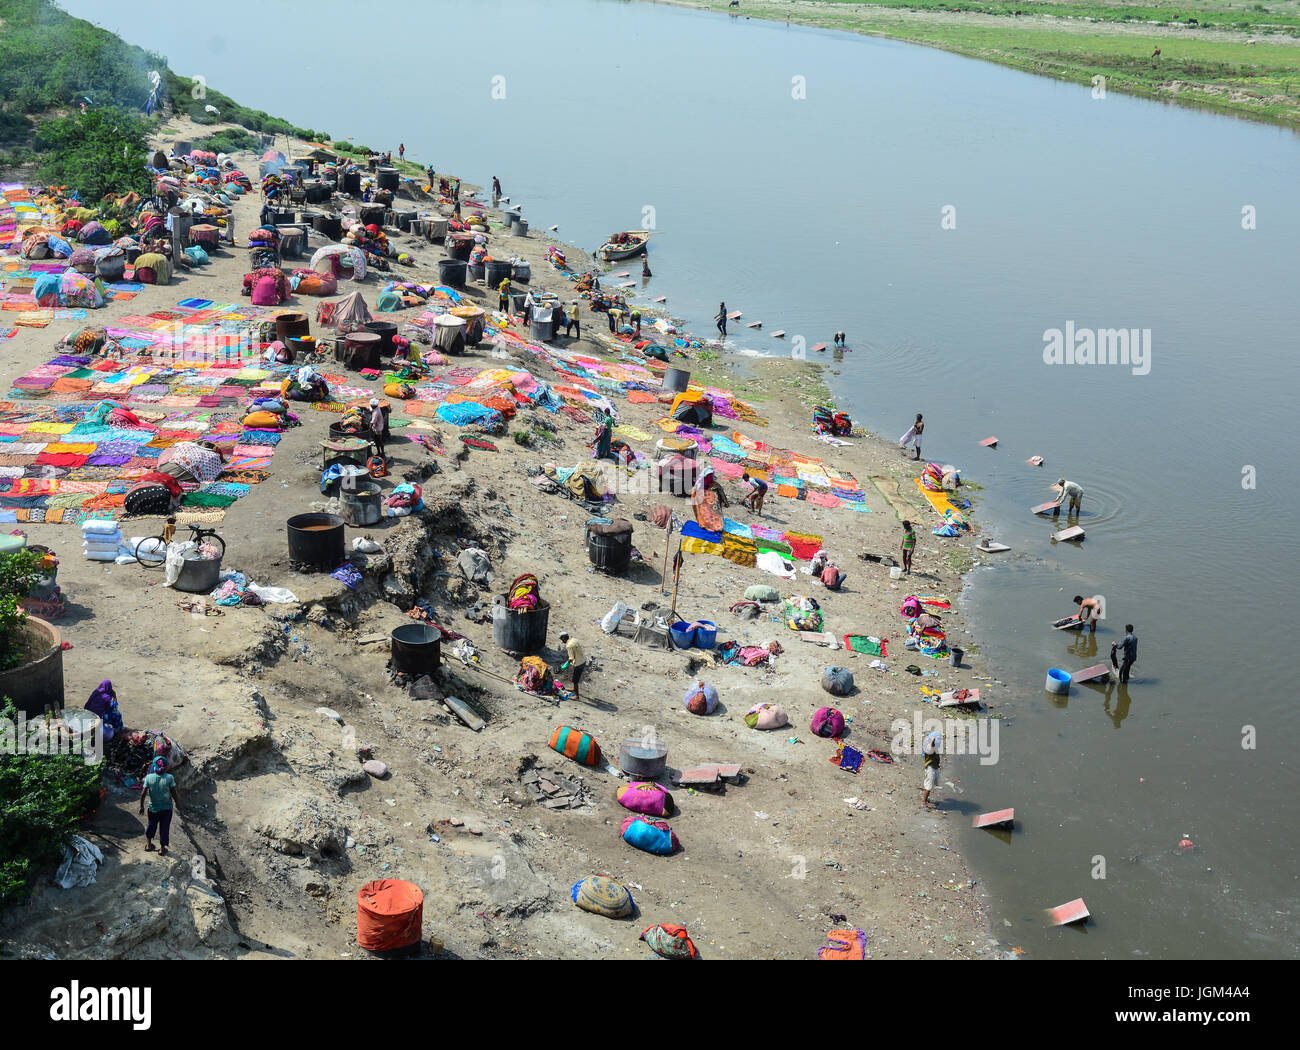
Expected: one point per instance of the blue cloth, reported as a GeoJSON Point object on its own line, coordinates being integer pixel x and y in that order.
{"type": "Point", "coordinates": [651, 839]}
{"type": "Point", "coordinates": [692, 531]}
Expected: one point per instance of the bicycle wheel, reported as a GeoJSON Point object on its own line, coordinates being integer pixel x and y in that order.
{"type": "Point", "coordinates": [151, 552]}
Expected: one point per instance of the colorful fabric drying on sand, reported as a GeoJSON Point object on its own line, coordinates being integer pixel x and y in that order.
{"type": "Point", "coordinates": [185, 372]}
{"type": "Point", "coordinates": [788, 474]}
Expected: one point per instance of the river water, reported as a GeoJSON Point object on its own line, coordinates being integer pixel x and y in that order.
{"type": "Point", "coordinates": [804, 177]}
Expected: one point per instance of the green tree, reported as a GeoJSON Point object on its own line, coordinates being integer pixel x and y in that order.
{"type": "Point", "coordinates": [18, 572]}
{"type": "Point", "coordinates": [94, 153]}
{"type": "Point", "coordinates": [42, 800]}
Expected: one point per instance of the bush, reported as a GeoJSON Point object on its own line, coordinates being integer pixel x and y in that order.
{"type": "Point", "coordinates": [42, 800]}
{"type": "Point", "coordinates": [95, 153]}
{"type": "Point", "coordinates": [229, 140]}
{"type": "Point", "coordinates": [18, 572]}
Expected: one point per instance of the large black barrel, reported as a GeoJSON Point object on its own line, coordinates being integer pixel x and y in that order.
{"type": "Point", "coordinates": [451, 272]}
{"type": "Point", "coordinates": [352, 182]}
{"type": "Point", "coordinates": [520, 630]}
{"type": "Point", "coordinates": [280, 217]}
{"type": "Point", "coordinates": [289, 324]}
{"type": "Point", "coordinates": [330, 225]}
{"type": "Point", "coordinates": [405, 219]}
{"type": "Point", "coordinates": [385, 330]}
{"type": "Point", "coordinates": [388, 178]}
{"type": "Point", "coordinates": [459, 246]}
{"type": "Point", "coordinates": [318, 192]}
{"type": "Point", "coordinates": [372, 214]}
{"type": "Point", "coordinates": [676, 380]}
{"type": "Point", "coordinates": [316, 541]}
{"type": "Point", "coordinates": [610, 546]}
{"type": "Point", "coordinates": [496, 271]}
{"type": "Point", "coordinates": [416, 649]}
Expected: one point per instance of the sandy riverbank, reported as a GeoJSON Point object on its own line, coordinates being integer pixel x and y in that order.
{"type": "Point", "coordinates": [288, 826]}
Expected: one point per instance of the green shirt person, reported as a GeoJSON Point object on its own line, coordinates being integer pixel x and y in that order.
{"type": "Point", "coordinates": [909, 545]}
{"type": "Point", "coordinates": [160, 789]}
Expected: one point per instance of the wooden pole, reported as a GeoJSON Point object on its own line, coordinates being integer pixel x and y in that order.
{"type": "Point", "coordinates": [677, 578]}
{"type": "Point", "coordinates": [668, 542]}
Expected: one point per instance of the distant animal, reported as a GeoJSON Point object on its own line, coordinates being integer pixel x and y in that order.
{"type": "Point", "coordinates": [734, 3]}
{"type": "Point", "coordinates": [1193, 22]}
{"type": "Point", "coordinates": [1155, 53]}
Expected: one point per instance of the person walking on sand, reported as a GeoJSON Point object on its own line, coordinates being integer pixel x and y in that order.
{"type": "Point", "coordinates": [160, 788]}
{"type": "Point", "coordinates": [432, 175]}
{"type": "Point", "coordinates": [377, 425]}
{"type": "Point", "coordinates": [757, 493]}
{"type": "Point", "coordinates": [401, 151]}
{"type": "Point", "coordinates": [1089, 611]}
{"type": "Point", "coordinates": [909, 545]}
{"type": "Point", "coordinates": [503, 295]}
{"type": "Point", "coordinates": [1128, 645]}
{"type": "Point", "coordinates": [721, 320]}
{"type": "Point", "coordinates": [914, 436]}
{"type": "Point", "coordinates": [573, 323]}
{"type": "Point", "coordinates": [577, 659]}
{"type": "Point", "coordinates": [1071, 492]}
{"type": "Point", "coordinates": [931, 749]}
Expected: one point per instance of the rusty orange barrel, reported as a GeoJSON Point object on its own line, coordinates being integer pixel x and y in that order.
{"type": "Point", "coordinates": [390, 914]}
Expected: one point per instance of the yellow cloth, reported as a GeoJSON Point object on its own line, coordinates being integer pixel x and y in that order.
{"type": "Point", "coordinates": [940, 502]}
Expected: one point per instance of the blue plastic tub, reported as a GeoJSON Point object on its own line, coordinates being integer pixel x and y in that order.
{"type": "Point", "coordinates": [1058, 681]}
{"type": "Point", "coordinates": [682, 634]}
{"type": "Point", "coordinates": [706, 635]}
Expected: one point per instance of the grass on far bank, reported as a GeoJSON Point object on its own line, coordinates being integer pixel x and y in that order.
{"type": "Point", "coordinates": [1240, 58]}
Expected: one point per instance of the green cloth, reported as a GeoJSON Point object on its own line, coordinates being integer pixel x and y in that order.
{"type": "Point", "coordinates": [206, 499]}
{"type": "Point", "coordinates": [159, 786]}
{"type": "Point", "coordinates": [862, 643]}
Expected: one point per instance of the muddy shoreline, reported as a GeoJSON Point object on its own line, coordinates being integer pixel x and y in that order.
{"type": "Point", "coordinates": [280, 825]}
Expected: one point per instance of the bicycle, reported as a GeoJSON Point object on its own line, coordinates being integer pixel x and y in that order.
{"type": "Point", "coordinates": [151, 551]}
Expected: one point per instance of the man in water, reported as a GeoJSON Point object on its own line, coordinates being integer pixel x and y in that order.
{"type": "Point", "coordinates": [1128, 646]}
{"type": "Point", "coordinates": [577, 659]}
{"type": "Point", "coordinates": [721, 320]}
{"type": "Point", "coordinates": [1071, 492]}
{"type": "Point", "coordinates": [645, 266]}
{"type": "Point", "coordinates": [496, 186]}
{"type": "Point", "coordinates": [1089, 611]}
